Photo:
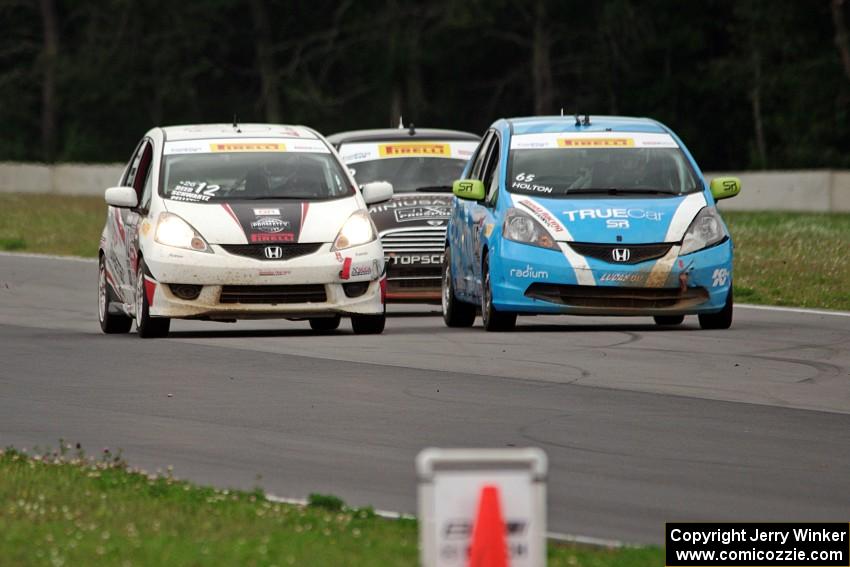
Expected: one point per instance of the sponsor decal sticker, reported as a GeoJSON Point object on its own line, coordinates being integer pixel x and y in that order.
{"type": "Point", "coordinates": [405, 214]}
{"type": "Point", "coordinates": [248, 147]}
{"type": "Point", "coordinates": [266, 212]}
{"type": "Point", "coordinates": [193, 191]}
{"type": "Point", "coordinates": [544, 216]}
{"type": "Point", "coordinates": [623, 277]}
{"type": "Point", "coordinates": [271, 225]}
{"type": "Point", "coordinates": [414, 259]}
{"type": "Point", "coordinates": [413, 149]}
{"type": "Point", "coordinates": [274, 272]}
{"type": "Point", "coordinates": [361, 270]}
{"type": "Point", "coordinates": [529, 272]}
{"type": "Point", "coordinates": [523, 182]}
{"type": "Point", "coordinates": [637, 214]}
{"type": "Point", "coordinates": [596, 142]}
{"type": "Point", "coordinates": [278, 237]}
{"type": "Point", "coordinates": [719, 277]}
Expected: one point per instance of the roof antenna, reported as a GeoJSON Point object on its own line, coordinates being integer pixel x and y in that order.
{"type": "Point", "coordinates": [236, 124]}
{"type": "Point", "coordinates": [562, 112]}
{"type": "Point", "coordinates": [578, 122]}
{"type": "Point", "coordinates": [586, 121]}
{"type": "Point", "coordinates": [400, 122]}
{"type": "Point", "coordinates": [412, 130]}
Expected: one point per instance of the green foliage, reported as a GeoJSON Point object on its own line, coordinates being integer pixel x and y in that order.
{"type": "Point", "coordinates": [326, 501]}
{"type": "Point", "coordinates": [697, 66]}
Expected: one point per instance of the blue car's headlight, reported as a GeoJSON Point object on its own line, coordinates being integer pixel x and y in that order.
{"type": "Point", "coordinates": [521, 227]}
{"type": "Point", "coordinates": [706, 230]}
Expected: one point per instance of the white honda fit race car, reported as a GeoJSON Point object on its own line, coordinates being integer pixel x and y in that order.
{"type": "Point", "coordinates": [221, 222]}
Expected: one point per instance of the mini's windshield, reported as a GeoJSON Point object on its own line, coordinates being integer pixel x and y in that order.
{"type": "Point", "coordinates": [578, 166]}
{"type": "Point", "coordinates": [411, 174]}
{"type": "Point", "coordinates": [222, 176]}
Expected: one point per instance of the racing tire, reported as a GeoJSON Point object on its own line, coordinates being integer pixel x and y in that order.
{"type": "Point", "coordinates": [368, 324]}
{"type": "Point", "coordinates": [456, 313]}
{"type": "Point", "coordinates": [110, 323]}
{"type": "Point", "coordinates": [669, 320]}
{"type": "Point", "coordinates": [148, 327]}
{"type": "Point", "coordinates": [494, 320]}
{"type": "Point", "coordinates": [325, 324]}
{"type": "Point", "coordinates": [720, 320]}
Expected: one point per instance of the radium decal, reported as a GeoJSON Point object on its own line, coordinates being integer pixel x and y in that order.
{"type": "Point", "coordinates": [529, 272]}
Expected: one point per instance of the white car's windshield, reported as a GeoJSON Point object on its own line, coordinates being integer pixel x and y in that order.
{"type": "Point", "coordinates": [605, 165]}
{"type": "Point", "coordinates": [222, 176]}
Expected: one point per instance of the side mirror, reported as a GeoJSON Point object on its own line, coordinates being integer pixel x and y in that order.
{"type": "Point", "coordinates": [472, 189]}
{"type": "Point", "coordinates": [376, 192]}
{"type": "Point", "coordinates": [725, 187]}
{"type": "Point", "coordinates": [122, 197]}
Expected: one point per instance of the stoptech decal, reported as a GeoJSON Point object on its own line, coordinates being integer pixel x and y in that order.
{"type": "Point", "coordinates": [260, 227]}
{"type": "Point", "coordinates": [415, 259]}
{"type": "Point", "coordinates": [413, 149]}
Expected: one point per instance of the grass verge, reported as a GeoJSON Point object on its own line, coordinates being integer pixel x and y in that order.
{"type": "Point", "coordinates": [794, 259]}
{"type": "Point", "coordinates": [62, 508]}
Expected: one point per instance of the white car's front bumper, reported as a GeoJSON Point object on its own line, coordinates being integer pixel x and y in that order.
{"type": "Point", "coordinates": [240, 287]}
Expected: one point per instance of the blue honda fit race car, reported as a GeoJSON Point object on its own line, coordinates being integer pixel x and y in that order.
{"type": "Point", "coordinates": [600, 216]}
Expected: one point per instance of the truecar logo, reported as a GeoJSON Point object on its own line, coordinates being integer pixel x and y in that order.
{"type": "Point", "coordinates": [529, 272]}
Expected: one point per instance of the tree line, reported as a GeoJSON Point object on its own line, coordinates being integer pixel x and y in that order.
{"type": "Point", "coordinates": [747, 83]}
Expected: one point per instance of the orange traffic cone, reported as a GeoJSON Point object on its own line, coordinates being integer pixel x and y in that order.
{"type": "Point", "coordinates": [489, 547]}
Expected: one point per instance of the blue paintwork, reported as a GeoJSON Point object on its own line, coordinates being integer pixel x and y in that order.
{"type": "Point", "coordinates": [475, 230]}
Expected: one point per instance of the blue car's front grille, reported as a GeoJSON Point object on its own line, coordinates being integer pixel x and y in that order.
{"type": "Point", "coordinates": [621, 253]}
{"type": "Point", "coordinates": [618, 297]}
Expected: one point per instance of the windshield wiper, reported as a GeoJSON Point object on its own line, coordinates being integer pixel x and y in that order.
{"type": "Point", "coordinates": [434, 189]}
{"type": "Point", "coordinates": [619, 191]}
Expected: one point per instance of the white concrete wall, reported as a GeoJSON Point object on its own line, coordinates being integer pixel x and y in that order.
{"type": "Point", "coordinates": [65, 179]}
{"type": "Point", "coordinates": [803, 190]}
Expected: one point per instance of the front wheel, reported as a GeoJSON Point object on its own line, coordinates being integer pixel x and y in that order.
{"type": "Point", "coordinates": [456, 313]}
{"type": "Point", "coordinates": [147, 326]}
{"type": "Point", "coordinates": [368, 324]}
{"type": "Point", "coordinates": [494, 320]}
{"type": "Point", "coordinates": [721, 319]}
{"type": "Point", "coordinates": [110, 323]}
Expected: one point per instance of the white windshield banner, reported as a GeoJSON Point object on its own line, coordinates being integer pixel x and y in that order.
{"type": "Point", "coordinates": [591, 140]}
{"type": "Point", "coordinates": [362, 151]}
{"type": "Point", "coordinates": [234, 145]}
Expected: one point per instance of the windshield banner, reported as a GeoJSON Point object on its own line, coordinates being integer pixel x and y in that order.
{"type": "Point", "coordinates": [590, 140]}
{"type": "Point", "coordinates": [355, 153]}
{"type": "Point", "coordinates": [244, 145]}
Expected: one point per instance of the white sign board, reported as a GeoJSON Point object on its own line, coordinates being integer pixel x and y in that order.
{"type": "Point", "coordinates": [450, 484]}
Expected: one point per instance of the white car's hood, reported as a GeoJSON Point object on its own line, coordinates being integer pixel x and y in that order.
{"type": "Point", "coordinates": [263, 221]}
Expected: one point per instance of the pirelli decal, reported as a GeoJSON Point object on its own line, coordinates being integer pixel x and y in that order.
{"type": "Point", "coordinates": [596, 142]}
{"type": "Point", "coordinates": [414, 149]}
{"type": "Point", "coordinates": [248, 147]}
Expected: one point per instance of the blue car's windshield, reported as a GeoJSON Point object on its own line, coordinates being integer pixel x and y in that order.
{"type": "Point", "coordinates": [570, 170]}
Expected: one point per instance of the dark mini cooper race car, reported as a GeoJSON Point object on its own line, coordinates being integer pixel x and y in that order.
{"type": "Point", "coordinates": [421, 165]}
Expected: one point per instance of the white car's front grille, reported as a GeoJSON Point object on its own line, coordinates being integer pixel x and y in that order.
{"type": "Point", "coordinates": [414, 240]}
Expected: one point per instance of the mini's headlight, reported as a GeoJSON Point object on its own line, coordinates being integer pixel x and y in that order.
{"type": "Point", "coordinates": [171, 230]}
{"type": "Point", "coordinates": [706, 230]}
{"type": "Point", "coordinates": [521, 227]}
{"type": "Point", "coordinates": [357, 230]}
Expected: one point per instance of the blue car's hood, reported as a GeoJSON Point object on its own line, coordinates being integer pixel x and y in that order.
{"type": "Point", "coordinates": [634, 221]}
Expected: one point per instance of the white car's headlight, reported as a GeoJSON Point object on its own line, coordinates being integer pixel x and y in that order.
{"type": "Point", "coordinates": [171, 230]}
{"type": "Point", "coordinates": [357, 230]}
{"type": "Point", "coordinates": [706, 230]}
{"type": "Point", "coordinates": [521, 227]}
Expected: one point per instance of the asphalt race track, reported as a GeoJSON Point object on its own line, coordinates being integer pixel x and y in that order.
{"type": "Point", "coordinates": [641, 425]}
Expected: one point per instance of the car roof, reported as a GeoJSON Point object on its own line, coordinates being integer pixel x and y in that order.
{"type": "Point", "coordinates": [543, 124]}
{"type": "Point", "coordinates": [394, 134]}
{"type": "Point", "coordinates": [211, 131]}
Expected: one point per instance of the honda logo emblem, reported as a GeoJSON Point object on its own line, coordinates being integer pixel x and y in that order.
{"type": "Point", "coordinates": [274, 252]}
{"type": "Point", "coordinates": [621, 254]}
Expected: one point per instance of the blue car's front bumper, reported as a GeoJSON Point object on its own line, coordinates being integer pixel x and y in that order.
{"type": "Point", "coordinates": [530, 279]}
